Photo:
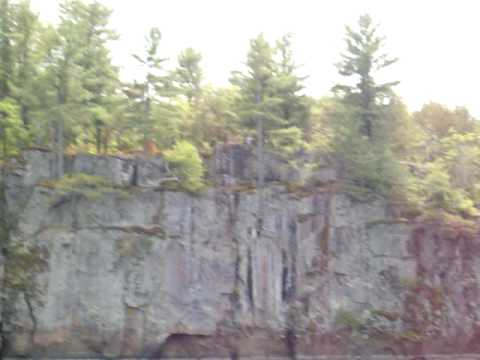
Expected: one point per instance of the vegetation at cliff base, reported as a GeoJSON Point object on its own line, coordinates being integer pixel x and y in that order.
{"type": "Point", "coordinates": [60, 89]}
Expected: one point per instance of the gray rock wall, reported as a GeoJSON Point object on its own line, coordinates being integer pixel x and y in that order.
{"type": "Point", "coordinates": [140, 271]}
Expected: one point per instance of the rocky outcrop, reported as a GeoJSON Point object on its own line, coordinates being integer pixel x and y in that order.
{"type": "Point", "coordinates": [141, 271]}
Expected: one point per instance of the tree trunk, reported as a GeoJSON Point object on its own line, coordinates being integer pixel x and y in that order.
{"type": "Point", "coordinates": [98, 138]}
{"type": "Point", "coordinates": [260, 168]}
{"type": "Point", "coordinates": [59, 142]}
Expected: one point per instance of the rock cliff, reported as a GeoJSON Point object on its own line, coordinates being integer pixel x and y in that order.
{"type": "Point", "coordinates": [137, 269]}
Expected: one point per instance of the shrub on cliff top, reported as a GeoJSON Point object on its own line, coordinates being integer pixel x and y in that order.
{"type": "Point", "coordinates": [185, 162]}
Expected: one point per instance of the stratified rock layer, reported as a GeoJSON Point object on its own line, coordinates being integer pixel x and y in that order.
{"type": "Point", "coordinates": [140, 271]}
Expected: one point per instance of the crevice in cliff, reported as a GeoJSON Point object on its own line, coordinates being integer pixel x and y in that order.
{"type": "Point", "coordinates": [284, 276]}
{"type": "Point", "coordinates": [291, 292]}
{"type": "Point", "coordinates": [134, 181]}
{"type": "Point", "coordinates": [293, 250]}
{"type": "Point", "coordinates": [250, 292]}
{"type": "Point", "coordinates": [325, 234]}
{"type": "Point", "coordinates": [291, 342]}
{"type": "Point", "coordinates": [234, 355]}
{"type": "Point", "coordinates": [33, 319]}
{"type": "Point", "coordinates": [233, 203]}
{"type": "Point", "coordinates": [236, 280]}
{"type": "Point", "coordinates": [4, 241]}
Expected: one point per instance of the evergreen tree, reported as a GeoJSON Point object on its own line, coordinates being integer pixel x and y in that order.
{"type": "Point", "coordinates": [361, 61]}
{"type": "Point", "coordinates": [257, 105]}
{"type": "Point", "coordinates": [257, 87]}
{"type": "Point", "coordinates": [5, 48]}
{"type": "Point", "coordinates": [64, 77]}
{"type": "Point", "coordinates": [189, 74]}
{"type": "Point", "coordinates": [26, 59]}
{"type": "Point", "coordinates": [293, 107]}
{"type": "Point", "coordinates": [367, 121]}
{"type": "Point", "coordinates": [100, 77]}
{"type": "Point", "coordinates": [152, 93]}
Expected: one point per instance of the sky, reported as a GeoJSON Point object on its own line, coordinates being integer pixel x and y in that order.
{"type": "Point", "coordinates": [436, 41]}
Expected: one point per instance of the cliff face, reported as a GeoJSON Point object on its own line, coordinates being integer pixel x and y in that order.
{"type": "Point", "coordinates": [135, 270]}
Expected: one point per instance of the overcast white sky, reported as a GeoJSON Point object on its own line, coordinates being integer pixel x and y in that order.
{"type": "Point", "coordinates": [437, 41]}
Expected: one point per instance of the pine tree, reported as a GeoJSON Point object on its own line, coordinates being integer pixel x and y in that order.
{"type": "Point", "coordinates": [293, 107]}
{"type": "Point", "coordinates": [362, 60]}
{"type": "Point", "coordinates": [257, 88]}
{"type": "Point", "coordinates": [5, 48]}
{"type": "Point", "coordinates": [100, 77]}
{"type": "Point", "coordinates": [64, 77]}
{"type": "Point", "coordinates": [25, 55]}
{"type": "Point", "coordinates": [153, 91]}
{"type": "Point", "coordinates": [189, 74]}
{"type": "Point", "coordinates": [257, 106]}
{"type": "Point", "coordinates": [364, 126]}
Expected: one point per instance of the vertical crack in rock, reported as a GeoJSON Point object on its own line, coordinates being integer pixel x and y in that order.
{"type": "Point", "coordinates": [324, 241]}
{"type": "Point", "coordinates": [291, 320]}
{"type": "Point", "coordinates": [134, 181]}
{"type": "Point", "coordinates": [33, 319]}
{"type": "Point", "coordinates": [234, 355]}
{"type": "Point", "coordinates": [293, 249]}
{"type": "Point", "coordinates": [250, 293]}
{"type": "Point", "coordinates": [284, 280]}
{"type": "Point", "coordinates": [233, 203]}
{"type": "Point", "coordinates": [4, 240]}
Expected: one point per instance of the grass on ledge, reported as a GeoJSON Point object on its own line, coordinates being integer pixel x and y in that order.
{"type": "Point", "coordinates": [91, 187]}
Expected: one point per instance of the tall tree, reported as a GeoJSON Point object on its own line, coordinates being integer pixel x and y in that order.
{"type": "Point", "coordinates": [100, 77]}
{"type": "Point", "coordinates": [189, 74]}
{"type": "Point", "coordinates": [64, 75]}
{"type": "Point", "coordinates": [5, 48]}
{"type": "Point", "coordinates": [154, 88]}
{"type": "Point", "coordinates": [257, 106]}
{"type": "Point", "coordinates": [26, 62]}
{"type": "Point", "coordinates": [362, 60]}
{"type": "Point", "coordinates": [366, 118]}
{"type": "Point", "coordinates": [12, 134]}
{"type": "Point", "coordinates": [294, 108]}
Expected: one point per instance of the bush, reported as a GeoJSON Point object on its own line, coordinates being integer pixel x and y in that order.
{"type": "Point", "coordinates": [185, 162]}
{"type": "Point", "coordinates": [435, 191]}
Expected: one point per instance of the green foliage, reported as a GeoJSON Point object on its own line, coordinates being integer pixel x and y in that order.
{"type": "Point", "coordinates": [445, 173]}
{"type": "Point", "coordinates": [367, 116]}
{"type": "Point", "coordinates": [257, 98]}
{"type": "Point", "coordinates": [13, 135]}
{"type": "Point", "coordinates": [186, 164]}
{"type": "Point", "coordinates": [269, 89]}
{"type": "Point", "coordinates": [288, 141]}
{"type": "Point", "coordinates": [60, 89]}
{"type": "Point", "coordinates": [435, 190]}
{"type": "Point", "coordinates": [213, 119]}
{"type": "Point", "coordinates": [148, 96]}
{"type": "Point", "coordinates": [370, 167]}
{"type": "Point", "coordinates": [363, 59]}
{"type": "Point", "coordinates": [373, 169]}
{"type": "Point", "coordinates": [293, 107]}
{"type": "Point", "coordinates": [189, 75]}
